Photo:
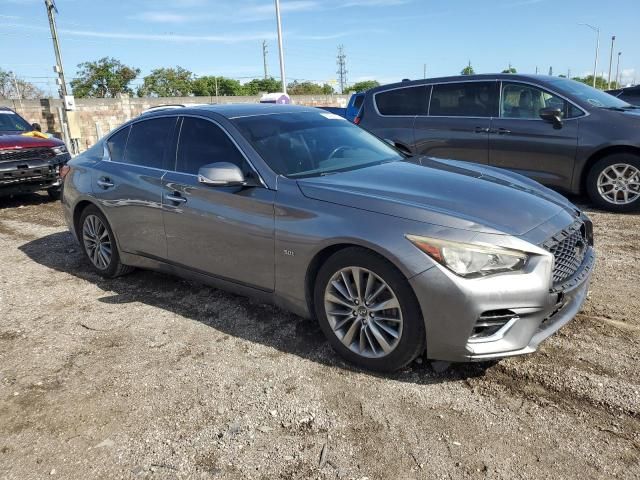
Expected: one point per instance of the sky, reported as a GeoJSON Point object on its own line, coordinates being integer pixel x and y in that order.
{"type": "Point", "coordinates": [385, 40]}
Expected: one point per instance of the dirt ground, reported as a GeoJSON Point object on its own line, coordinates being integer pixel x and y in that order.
{"type": "Point", "coordinates": [152, 377]}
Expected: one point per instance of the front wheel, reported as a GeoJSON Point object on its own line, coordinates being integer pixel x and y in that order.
{"type": "Point", "coordinates": [613, 183]}
{"type": "Point", "coordinates": [368, 311]}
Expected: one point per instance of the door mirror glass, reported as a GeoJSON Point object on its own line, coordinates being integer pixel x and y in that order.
{"type": "Point", "coordinates": [221, 174]}
{"type": "Point", "coordinates": [552, 115]}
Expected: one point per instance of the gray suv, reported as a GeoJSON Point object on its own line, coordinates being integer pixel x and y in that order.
{"type": "Point", "coordinates": [559, 132]}
{"type": "Point", "coordinates": [299, 207]}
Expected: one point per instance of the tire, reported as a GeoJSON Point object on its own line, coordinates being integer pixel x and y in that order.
{"type": "Point", "coordinates": [92, 220]}
{"type": "Point", "coordinates": [54, 193]}
{"type": "Point", "coordinates": [630, 181]}
{"type": "Point", "coordinates": [406, 322]}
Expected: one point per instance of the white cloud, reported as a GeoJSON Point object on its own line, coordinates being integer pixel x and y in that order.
{"type": "Point", "coordinates": [628, 76]}
{"type": "Point", "coordinates": [374, 3]}
{"type": "Point", "coordinates": [164, 17]}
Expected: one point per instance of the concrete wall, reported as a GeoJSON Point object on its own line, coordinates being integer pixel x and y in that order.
{"type": "Point", "coordinates": [97, 116]}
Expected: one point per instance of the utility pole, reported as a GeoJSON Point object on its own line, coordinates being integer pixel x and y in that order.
{"type": "Point", "coordinates": [613, 40]}
{"type": "Point", "coordinates": [424, 71]}
{"type": "Point", "coordinates": [618, 70]}
{"type": "Point", "coordinates": [15, 83]}
{"type": "Point", "coordinates": [51, 7]}
{"type": "Point", "coordinates": [264, 58]}
{"type": "Point", "coordinates": [342, 68]}
{"type": "Point", "coordinates": [280, 51]}
{"type": "Point", "coordinates": [595, 63]}
{"type": "Point", "coordinates": [536, 70]}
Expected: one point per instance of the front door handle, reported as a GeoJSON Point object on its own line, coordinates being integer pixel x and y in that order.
{"type": "Point", "coordinates": [503, 131]}
{"type": "Point", "coordinates": [481, 130]}
{"type": "Point", "coordinates": [174, 197]}
{"type": "Point", "coordinates": [105, 182]}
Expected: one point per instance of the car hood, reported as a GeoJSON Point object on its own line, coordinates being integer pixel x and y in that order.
{"type": "Point", "coordinates": [23, 141]}
{"type": "Point", "coordinates": [443, 192]}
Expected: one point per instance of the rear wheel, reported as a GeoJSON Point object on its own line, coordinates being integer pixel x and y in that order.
{"type": "Point", "coordinates": [99, 244]}
{"type": "Point", "coordinates": [368, 311]}
{"type": "Point", "coordinates": [613, 183]}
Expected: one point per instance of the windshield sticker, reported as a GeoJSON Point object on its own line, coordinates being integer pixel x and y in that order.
{"type": "Point", "coordinates": [332, 116]}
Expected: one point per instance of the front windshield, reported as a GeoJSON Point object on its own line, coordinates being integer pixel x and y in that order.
{"type": "Point", "coordinates": [12, 122]}
{"type": "Point", "coordinates": [309, 144]}
{"type": "Point", "coordinates": [590, 95]}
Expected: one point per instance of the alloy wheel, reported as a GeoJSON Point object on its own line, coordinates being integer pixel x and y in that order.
{"type": "Point", "coordinates": [619, 184]}
{"type": "Point", "coordinates": [363, 312]}
{"type": "Point", "coordinates": [97, 242]}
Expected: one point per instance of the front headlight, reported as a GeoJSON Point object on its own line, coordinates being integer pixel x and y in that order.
{"type": "Point", "coordinates": [59, 150]}
{"type": "Point", "coordinates": [469, 260]}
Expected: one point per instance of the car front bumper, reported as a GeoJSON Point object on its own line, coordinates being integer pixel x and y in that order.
{"type": "Point", "coordinates": [31, 175]}
{"type": "Point", "coordinates": [452, 306]}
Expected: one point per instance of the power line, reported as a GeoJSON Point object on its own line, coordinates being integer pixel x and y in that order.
{"type": "Point", "coordinates": [342, 68]}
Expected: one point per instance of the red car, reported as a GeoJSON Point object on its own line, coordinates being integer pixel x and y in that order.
{"type": "Point", "coordinates": [29, 162]}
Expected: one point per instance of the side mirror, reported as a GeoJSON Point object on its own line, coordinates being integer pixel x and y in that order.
{"type": "Point", "coordinates": [552, 115]}
{"type": "Point", "coordinates": [221, 174]}
{"type": "Point", "coordinates": [36, 127]}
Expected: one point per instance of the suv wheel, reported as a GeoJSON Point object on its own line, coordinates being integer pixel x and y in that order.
{"type": "Point", "coordinates": [368, 311]}
{"type": "Point", "coordinates": [99, 244]}
{"type": "Point", "coordinates": [613, 183]}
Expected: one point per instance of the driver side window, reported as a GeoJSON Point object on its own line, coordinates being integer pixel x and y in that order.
{"type": "Point", "coordinates": [203, 142]}
{"type": "Point", "coordinates": [526, 101]}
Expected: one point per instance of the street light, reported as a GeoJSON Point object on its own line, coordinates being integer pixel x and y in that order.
{"type": "Point", "coordinates": [613, 40]}
{"type": "Point", "coordinates": [618, 70]}
{"type": "Point", "coordinates": [282, 77]}
{"type": "Point", "coordinates": [595, 65]}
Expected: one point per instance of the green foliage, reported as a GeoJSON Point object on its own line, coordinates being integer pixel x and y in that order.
{"type": "Point", "coordinates": [308, 88]}
{"type": "Point", "coordinates": [103, 78]}
{"type": "Point", "coordinates": [262, 85]}
{"type": "Point", "coordinates": [468, 70]}
{"type": "Point", "coordinates": [601, 82]}
{"type": "Point", "coordinates": [167, 82]}
{"type": "Point", "coordinates": [365, 85]}
{"type": "Point", "coordinates": [206, 86]}
{"type": "Point", "coordinates": [510, 70]}
{"type": "Point", "coordinates": [25, 90]}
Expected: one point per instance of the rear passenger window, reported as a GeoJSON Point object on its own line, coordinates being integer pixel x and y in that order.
{"type": "Point", "coordinates": [149, 141]}
{"type": "Point", "coordinates": [357, 103]}
{"type": "Point", "coordinates": [117, 143]}
{"type": "Point", "coordinates": [472, 99]}
{"type": "Point", "coordinates": [203, 142]}
{"type": "Point", "coordinates": [403, 101]}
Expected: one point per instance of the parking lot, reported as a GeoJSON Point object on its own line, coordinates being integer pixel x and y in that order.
{"type": "Point", "coordinates": [149, 376]}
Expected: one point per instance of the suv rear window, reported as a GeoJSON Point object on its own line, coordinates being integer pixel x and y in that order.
{"type": "Point", "coordinates": [403, 101]}
{"type": "Point", "coordinates": [357, 102]}
{"type": "Point", "coordinates": [470, 99]}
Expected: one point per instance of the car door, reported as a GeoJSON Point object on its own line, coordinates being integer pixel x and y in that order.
{"type": "Point", "coordinates": [523, 142]}
{"type": "Point", "coordinates": [128, 184]}
{"type": "Point", "coordinates": [227, 232]}
{"type": "Point", "coordinates": [458, 120]}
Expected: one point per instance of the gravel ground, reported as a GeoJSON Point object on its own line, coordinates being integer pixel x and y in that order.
{"type": "Point", "coordinates": [152, 377]}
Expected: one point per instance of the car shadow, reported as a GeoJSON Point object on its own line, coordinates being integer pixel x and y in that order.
{"type": "Point", "coordinates": [250, 320]}
{"type": "Point", "coordinates": [24, 200]}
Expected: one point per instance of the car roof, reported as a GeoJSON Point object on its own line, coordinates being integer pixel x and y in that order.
{"type": "Point", "coordinates": [231, 110]}
{"type": "Point", "coordinates": [467, 78]}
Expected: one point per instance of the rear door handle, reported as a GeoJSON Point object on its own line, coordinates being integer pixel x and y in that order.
{"type": "Point", "coordinates": [172, 197]}
{"type": "Point", "coordinates": [105, 182]}
{"type": "Point", "coordinates": [503, 131]}
{"type": "Point", "coordinates": [481, 130]}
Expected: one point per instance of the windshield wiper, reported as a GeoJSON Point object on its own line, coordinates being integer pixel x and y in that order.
{"type": "Point", "coordinates": [615, 109]}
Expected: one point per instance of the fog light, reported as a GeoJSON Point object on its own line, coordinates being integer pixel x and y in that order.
{"type": "Point", "coordinates": [490, 322]}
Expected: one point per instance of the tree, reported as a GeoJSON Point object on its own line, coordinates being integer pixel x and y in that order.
{"type": "Point", "coordinates": [104, 78]}
{"type": "Point", "coordinates": [304, 88]}
{"type": "Point", "coordinates": [206, 86]}
{"type": "Point", "coordinates": [262, 85]}
{"type": "Point", "coordinates": [9, 82]}
{"type": "Point", "coordinates": [327, 89]}
{"type": "Point", "coordinates": [167, 82]}
{"type": "Point", "coordinates": [510, 70]}
{"type": "Point", "coordinates": [601, 82]}
{"type": "Point", "coordinates": [364, 85]}
{"type": "Point", "coordinates": [468, 70]}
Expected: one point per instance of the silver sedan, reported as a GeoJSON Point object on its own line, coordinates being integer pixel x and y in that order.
{"type": "Point", "coordinates": [394, 256]}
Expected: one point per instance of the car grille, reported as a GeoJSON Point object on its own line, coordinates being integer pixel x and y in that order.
{"type": "Point", "coordinates": [569, 248]}
{"type": "Point", "coordinates": [26, 154]}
